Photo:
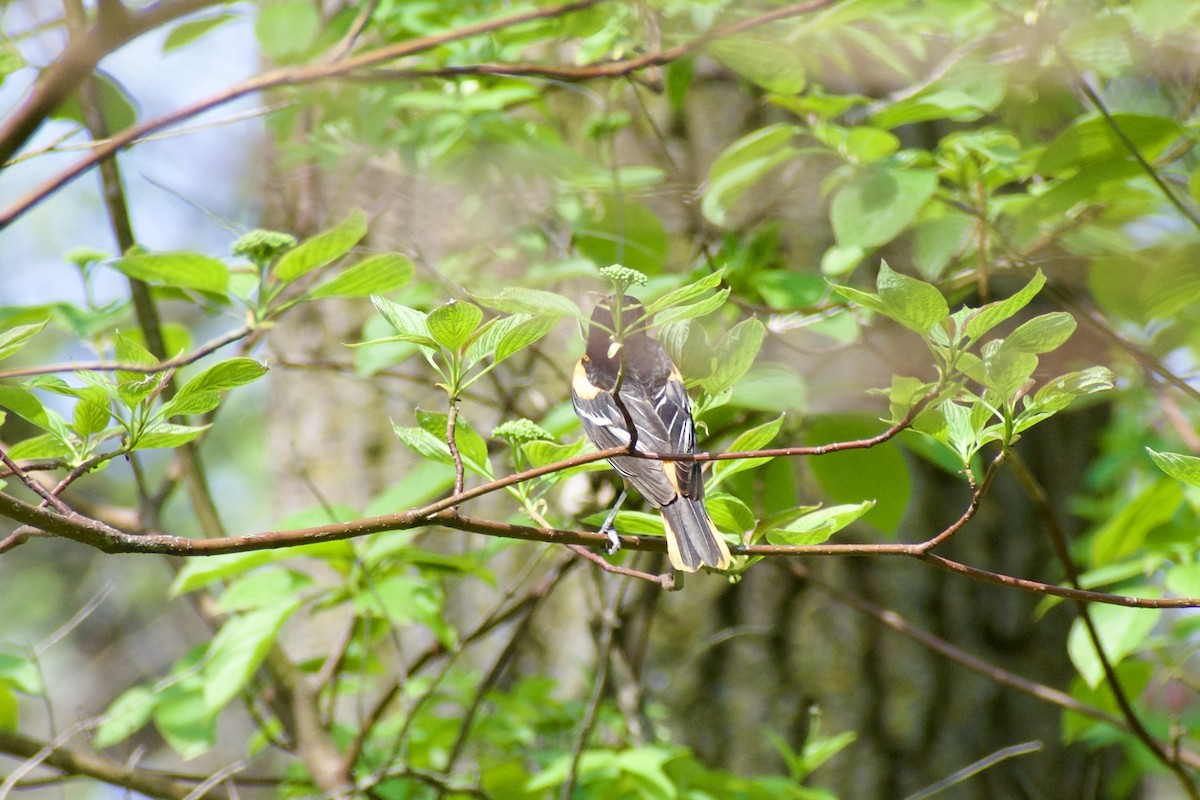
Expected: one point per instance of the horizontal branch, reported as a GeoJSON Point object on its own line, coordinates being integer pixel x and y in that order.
{"type": "Point", "coordinates": [115, 366]}
{"type": "Point", "coordinates": [443, 513]}
{"type": "Point", "coordinates": [92, 765]}
{"type": "Point", "coordinates": [111, 540]}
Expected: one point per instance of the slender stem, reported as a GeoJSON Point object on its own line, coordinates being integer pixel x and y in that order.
{"type": "Point", "coordinates": [1058, 540]}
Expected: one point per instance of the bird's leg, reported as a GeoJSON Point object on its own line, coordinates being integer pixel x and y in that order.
{"type": "Point", "coordinates": [614, 541]}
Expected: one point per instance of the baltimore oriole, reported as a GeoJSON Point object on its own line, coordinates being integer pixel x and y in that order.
{"type": "Point", "coordinates": [652, 394]}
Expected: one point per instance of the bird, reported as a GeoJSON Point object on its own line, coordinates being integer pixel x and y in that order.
{"type": "Point", "coordinates": [623, 377]}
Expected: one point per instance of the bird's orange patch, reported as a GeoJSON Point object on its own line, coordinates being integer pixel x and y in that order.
{"type": "Point", "coordinates": [580, 384]}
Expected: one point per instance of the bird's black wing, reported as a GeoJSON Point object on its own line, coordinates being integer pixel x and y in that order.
{"type": "Point", "coordinates": [604, 424]}
{"type": "Point", "coordinates": [659, 380]}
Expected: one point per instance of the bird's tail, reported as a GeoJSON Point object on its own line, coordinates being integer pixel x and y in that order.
{"type": "Point", "coordinates": [692, 539]}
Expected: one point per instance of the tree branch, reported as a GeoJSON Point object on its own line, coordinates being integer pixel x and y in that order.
{"type": "Point", "coordinates": [79, 59]}
{"type": "Point", "coordinates": [102, 768]}
{"type": "Point", "coordinates": [327, 70]}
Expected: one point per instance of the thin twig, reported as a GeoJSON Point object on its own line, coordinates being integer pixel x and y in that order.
{"type": "Point", "coordinates": [1128, 143]}
{"type": "Point", "coordinates": [37, 488]}
{"type": "Point", "coordinates": [343, 47]}
{"type": "Point", "coordinates": [1058, 540]}
{"type": "Point", "coordinates": [609, 617]}
{"type": "Point", "coordinates": [321, 71]}
{"type": "Point", "coordinates": [452, 444]}
{"type": "Point", "coordinates": [144, 369]}
{"type": "Point", "coordinates": [987, 762]}
{"type": "Point", "coordinates": [666, 580]}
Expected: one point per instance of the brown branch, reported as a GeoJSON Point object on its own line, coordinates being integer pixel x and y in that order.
{"type": "Point", "coordinates": [286, 76]}
{"type": "Point", "coordinates": [1058, 540]}
{"type": "Point", "coordinates": [452, 444]}
{"type": "Point", "coordinates": [666, 580]}
{"type": "Point", "coordinates": [80, 57]}
{"type": "Point", "coordinates": [102, 768]}
{"type": "Point", "coordinates": [321, 71]}
{"type": "Point", "coordinates": [35, 487]}
{"type": "Point", "coordinates": [144, 369]}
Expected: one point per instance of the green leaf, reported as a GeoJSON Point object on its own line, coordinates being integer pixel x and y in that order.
{"type": "Point", "coordinates": [128, 714]}
{"type": "Point", "coordinates": [741, 165]}
{"type": "Point", "coordinates": [47, 445]}
{"type": "Point", "coordinates": [202, 393]}
{"type": "Point", "coordinates": [698, 309]}
{"type": "Point", "coordinates": [515, 300]}
{"type": "Point", "coordinates": [263, 588]}
{"type": "Point", "coordinates": [470, 444]}
{"type": "Point", "coordinates": [789, 291]}
{"type": "Point", "coordinates": [412, 325]}
{"type": "Point", "coordinates": [735, 355]}
{"type": "Point", "coordinates": [729, 513]}
{"type": "Point", "coordinates": [684, 295]}
{"type": "Point", "coordinates": [1126, 530]}
{"type": "Point", "coordinates": [180, 270]}
{"type": "Point", "coordinates": [1042, 333]}
{"type": "Point", "coordinates": [91, 414]}
{"type": "Point", "coordinates": [1093, 141]}
{"type": "Point", "coordinates": [10, 716]}
{"type": "Point", "coordinates": [285, 31]}
{"type": "Point", "coordinates": [324, 248]}
{"type": "Point", "coordinates": [940, 240]}
{"type": "Point", "coordinates": [841, 259]}
{"type": "Point", "coordinates": [688, 346]}
{"type": "Point", "coordinates": [541, 453]}
{"type": "Point", "coordinates": [168, 435]}
{"type": "Point", "coordinates": [643, 766]}
{"type": "Point", "coordinates": [198, 572]}
{"type": "Point", "coordinates": [592, 762]}
{"type": "Point", "coordinates": [188, 32]}
{"type": "Point", "coordinates": [864, 299]}
{"type": "Point", "coordinates": [993, 314]}
{"type": "Point", "coordinates": [24, 404]}
{"type": "Point", "coordinates": [817, 526]}
{"type": "Point", "coordinates": [237, 651]}
{"type": "Point", "coordinates": [874, 208]}
{"type": "Point", "coordinates": [1180, 467]}
{"type": "Point", "coordinates": [622, 231]}
{"type": "Point", "coordinates": [1058, 393]}
{"type": "Point", "coordinates": [634, 523]}
{"type": "Point", "coordinates": [375, 275]}
{"type": "Point", "coordinates": [14, 339]}
{"type": "Point", "coordinates": [754, 439]}
{"type": "Point", "coordinates": [424, 443]}
{"type": "Point", "coordinates": [1007, 370]}
{"type": "Point", "coordinates": [770, 389]}
{"type": "Point", "coordinates": [848, 475]}
{"type": "Point", "coordinates": [523, 334]}
{"type": "Point", "coordinates": [766, 62]}
{"type": "Point", "coordinates": [1132, 676]}
{"type": "Point", "coordinates": [1184, 580]}
{"type": "Point", "coordinates": [182, 719]}
{"type": "Point", "coordinates": [914, 304]}
{"type": "Point", "coordinates": [116, 106]}
{"type": "Point", "coordinates": [1121, 630]}
{"type": "Point", "coordinates": [21, 673]}
{"type": "Point", "coordinates": [452, 324]}
{"type": "Point", "coordinates": [404, 599]}
{"type": "Point", "coordinates": [134, 387]}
